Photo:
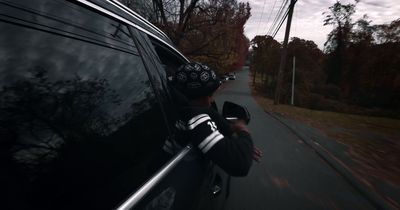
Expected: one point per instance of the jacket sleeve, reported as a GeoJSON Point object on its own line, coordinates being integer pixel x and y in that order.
{"type": "Point", "coordinates": [233, 154]}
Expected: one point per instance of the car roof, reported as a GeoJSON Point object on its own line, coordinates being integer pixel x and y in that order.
{"type": "Point", "coordinates": [117, 10]}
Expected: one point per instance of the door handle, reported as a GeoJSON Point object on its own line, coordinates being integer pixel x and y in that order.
{"type": "Point", "coordinates": [216, 189]}
{"type": "Point", "coordinates": [217, 186]}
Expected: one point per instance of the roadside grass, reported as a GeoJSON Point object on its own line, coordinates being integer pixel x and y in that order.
{"type": "Point", "coordinates": [373, 142]}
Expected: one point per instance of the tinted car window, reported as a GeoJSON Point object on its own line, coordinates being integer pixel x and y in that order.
{"type": "Point", "coordinates": [80, 125]}
{"type": "Point", "coordinates": [170, 61]}
{"type": "Point", "coordinates": [158, 76]}
{"type": "Point", "coordinates": [151, 60]}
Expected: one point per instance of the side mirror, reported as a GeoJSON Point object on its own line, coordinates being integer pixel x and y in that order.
{"type": "Point", "coordinates": [232, 111]}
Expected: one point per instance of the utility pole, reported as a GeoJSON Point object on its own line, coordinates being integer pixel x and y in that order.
{"type": "Point", "coordinates": [294, 73]}
{"type": "Point", "coordinates": [284, 54]}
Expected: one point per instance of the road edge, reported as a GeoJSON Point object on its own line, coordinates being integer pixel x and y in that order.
{"type": "Point", "coordinates": [347, 173]}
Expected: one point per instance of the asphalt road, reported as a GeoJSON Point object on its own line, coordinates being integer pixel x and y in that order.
{"type": "Point", "coordinates": [291, 175]}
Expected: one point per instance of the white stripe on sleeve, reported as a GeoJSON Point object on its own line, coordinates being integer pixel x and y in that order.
{"type": "Point", "coordinates": [208, 139]}
{"type": "Point", "coordinates": [212, 143]}
{"type": "Point", "coordinates": [197, 117]}
{"type": "Point", "coordinates": [198, 122]}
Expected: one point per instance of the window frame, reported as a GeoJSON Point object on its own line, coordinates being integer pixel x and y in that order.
{"type": "Point", "coordinates": [110, 14]}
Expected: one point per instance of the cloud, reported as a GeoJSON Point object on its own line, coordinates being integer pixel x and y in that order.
{"type": "Point", "coordinates": [308, 19]}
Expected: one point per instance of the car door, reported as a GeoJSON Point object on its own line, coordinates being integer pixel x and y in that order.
{"type": "Point", "coordinates": [81, 125]}
{"type": "Point", "coordinates": [209, 183]}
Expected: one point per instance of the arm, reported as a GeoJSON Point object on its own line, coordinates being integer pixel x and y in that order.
{"type": "Point", "coordinates": [233, 154]}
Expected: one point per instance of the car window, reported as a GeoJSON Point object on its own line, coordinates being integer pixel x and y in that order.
{"type": "Point", "coordinates": [161, 65]}
{"type": "Point", "coordinates": [80, 124]}
{"type": "Point", "coordinates": [151, 60]}
{"type": "Point", "coordinates": [169, 60]}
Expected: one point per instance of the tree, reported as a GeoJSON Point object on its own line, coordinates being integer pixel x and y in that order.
{"type": "Point", "coordinates": [309, 73]}
{"type": "Point", "coordinates": [216, 35]}
{"type": "Point", "coordinates": [171, 16]}
{"type": "Point", "coordinates": [266, 57]}
{"type": "Point", "coordinates": [362, 57]}
{"type": "Point", "coordinates": [363, 32]}
{"type": "Point", "coordinates": [386, 33]}
{"type": "Point", "coordinates": [309, 60]}
{"type": "Point", "coordinates": [339, 16]}
{"type": "Point", "coordinates": [210, 31]}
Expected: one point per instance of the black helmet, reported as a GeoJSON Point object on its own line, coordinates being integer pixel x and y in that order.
{"type": "Point", "coordinates": [196, 80]}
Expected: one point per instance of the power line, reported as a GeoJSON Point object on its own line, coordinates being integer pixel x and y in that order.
{"type": "Point", "coordinates": [270, 13]}
{"type": "Point", "coordinates": [278, 16]}
{"type": "Point", "coordinates": [280, 24]}
{"type": "Point", "coordinates": [262, 12]}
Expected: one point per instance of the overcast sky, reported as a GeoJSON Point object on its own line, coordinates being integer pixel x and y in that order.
{"type": "Point", "coordinates": [307, 22]}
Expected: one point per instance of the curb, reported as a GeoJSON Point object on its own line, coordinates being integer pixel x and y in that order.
{"type": "Point", "coordinates": [377, 201]}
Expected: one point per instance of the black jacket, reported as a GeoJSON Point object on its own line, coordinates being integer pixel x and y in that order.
{"type": "Point", "coordinates": [207, 130]}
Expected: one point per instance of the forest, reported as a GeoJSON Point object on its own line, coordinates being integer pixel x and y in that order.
{"type": "Point", "coordinates": [357, 72]}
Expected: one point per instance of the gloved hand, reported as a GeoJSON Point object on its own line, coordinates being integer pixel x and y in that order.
{"type": "Point", "coordinates": [240, 125]}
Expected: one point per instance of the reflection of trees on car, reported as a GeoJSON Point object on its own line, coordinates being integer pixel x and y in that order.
{"type": "Point", "coordinates": [61, 134]}
{"type": "Point", "coordinates": [85, 110]}
{"type": "Point", "coordinates": [42, 116]}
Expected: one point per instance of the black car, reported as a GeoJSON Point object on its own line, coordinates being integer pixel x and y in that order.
{"type": "Point", "coordinates": [85, 111]}
{"type": "Point", "coordinates": [232, 76]}
{"type": "Point", "coordinates": [223, 78]}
